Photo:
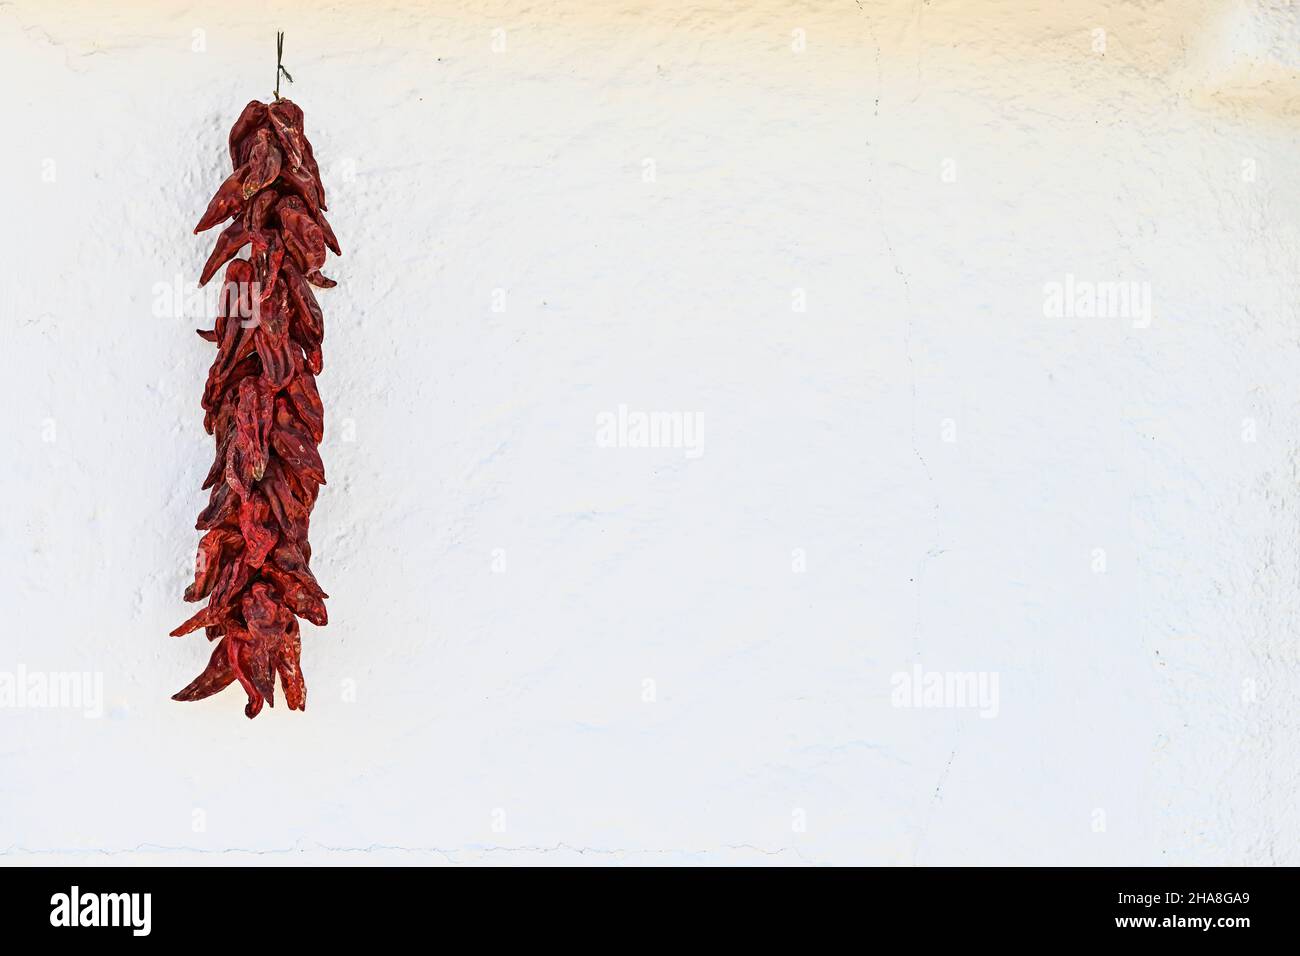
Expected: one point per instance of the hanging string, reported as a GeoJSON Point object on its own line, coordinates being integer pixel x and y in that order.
{"type": "Point", "coordinates": [279, 65]}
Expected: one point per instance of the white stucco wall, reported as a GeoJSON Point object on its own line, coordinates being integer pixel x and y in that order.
{"type": "Point", "coordinates": [921, 469]}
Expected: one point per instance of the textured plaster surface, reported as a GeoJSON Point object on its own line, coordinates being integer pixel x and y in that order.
{"type": "Point", "coordinates": [544, 650]}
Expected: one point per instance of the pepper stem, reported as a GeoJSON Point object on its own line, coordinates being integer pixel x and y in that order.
{"type": "Point", "coordinates": [279, 65]}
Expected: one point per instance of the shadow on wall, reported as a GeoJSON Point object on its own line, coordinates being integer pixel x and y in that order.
{"type": "Point", "coordinates": [1248, 62]}
{"type": "Point", "coordinates": [1237, 56]}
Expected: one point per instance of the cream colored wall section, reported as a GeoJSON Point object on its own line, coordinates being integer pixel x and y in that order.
{"type": "Point", "coordinates": [867, 248]}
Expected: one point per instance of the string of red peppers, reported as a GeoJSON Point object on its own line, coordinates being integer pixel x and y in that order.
{"type": "Point", "coordinates": [262, 408]}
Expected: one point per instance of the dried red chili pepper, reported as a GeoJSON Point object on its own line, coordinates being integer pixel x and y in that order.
{"type": "Point", "coordinates": [263, 410]}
